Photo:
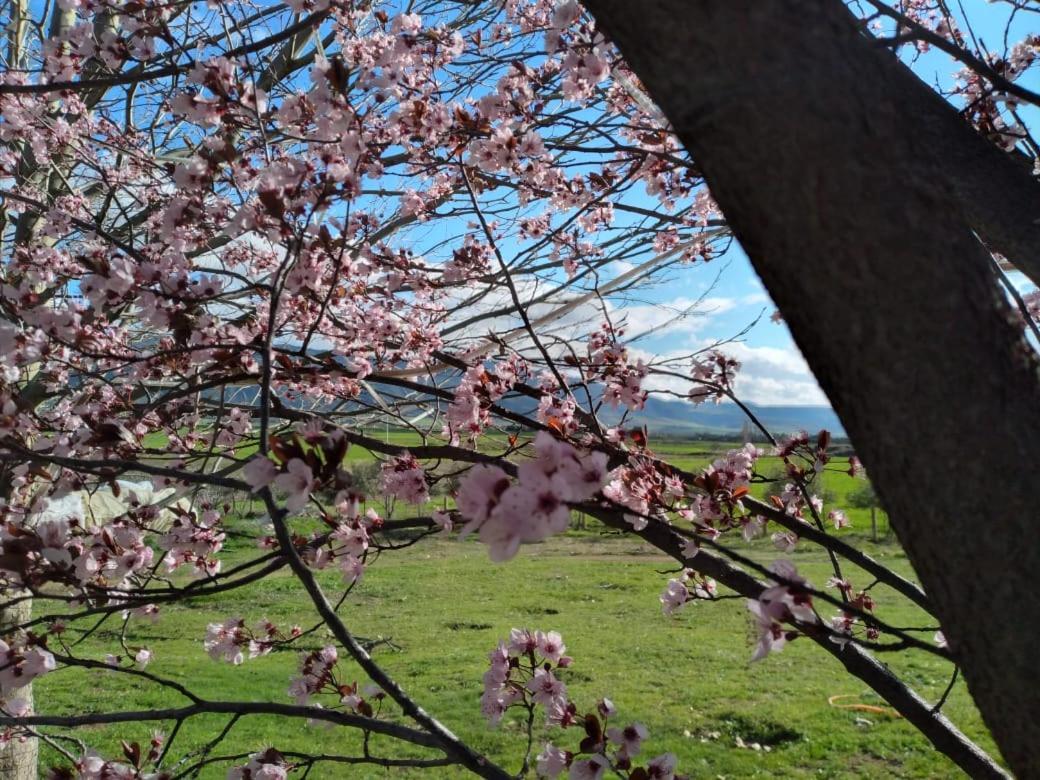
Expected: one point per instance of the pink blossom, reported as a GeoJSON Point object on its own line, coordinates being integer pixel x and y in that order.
{"type": "Point", "coordinates": [674, 596]}
{"type": "Point", "coordinates": [402, 477]}
{"type": "Point", "coordinates": [592, 768]}
{"type": "Point", "coordinates": [546, 688]}
{"type": "Point", "coordinates": [550, 646]}
{"type": "Point", "coordinates": [227, 641]}
{"type": "Point", "coordinates": [551, 762]}
{"type": "Point", "coordinates": [522, 641]}
{"type": "Point", "coordinates": [841, 628]}
{"type": "Point", "coordinates": [410, 24]}
{"type": "Point", "coordinates": [479, 492]}
{"type": "Point", "coordinates": [609, 361]}
{"type": "Point", "coordinates": [194, 540]}
{"type": "Point", "coordinates": [785, 541]}
{"type": "Point", "coordinates": [351, 567]}
{"type": "Point", "coordinates": [351, 538]}
{"type": "Point", "coordinates": [268, 765]}
{"type": "Point", "coordinates": [662, 767]}
{"type": "Point", "coordinates": [788, 601]}
{"type": "Point", "coordinates": [771, 636]}
{"type": "Point", "coordinates": [298, 481]}
{"type": "Point", "coordinates": [315, 674]}
{"type": "Point", "coordinates": [534, 507]}
{"type": "Point", "coordinates": [629, 739]}
{"type": "Point", "coordinates": [20, 665]}
{"type": "Point", "coordinates": [91, 766]}
{"type": "Point", "coordinates": [713, 376]}
{"type": "Point", "coordinates": [259, 472]}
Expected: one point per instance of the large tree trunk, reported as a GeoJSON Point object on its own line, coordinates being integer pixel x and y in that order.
{"type": "Point", "coordinates": [18, 757]}
{"type": "Point", "coordinates": [823, 154]}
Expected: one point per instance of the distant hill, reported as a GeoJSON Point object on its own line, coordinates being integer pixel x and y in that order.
{"type": "Point", "coordinates": [664, 416]}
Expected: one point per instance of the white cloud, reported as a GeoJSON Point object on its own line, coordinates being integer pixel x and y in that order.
{"type": "Point", "coordinates": [680, 315]}
{"type": "Point", "coordinates": [774, 375]}
{"type": "Point", "coordinates": [768, 375]}
{"type": "Point", "coordinates": [756, 298]}
{"type": "Point", "coordinates": [684, 315]}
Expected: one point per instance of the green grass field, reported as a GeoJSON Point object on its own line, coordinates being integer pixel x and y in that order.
{"type": "Point", "coordinates": [443, 606]}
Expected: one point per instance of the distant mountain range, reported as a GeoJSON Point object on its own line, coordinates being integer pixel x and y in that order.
{"type": "Point", "coordinates": [665, 416]}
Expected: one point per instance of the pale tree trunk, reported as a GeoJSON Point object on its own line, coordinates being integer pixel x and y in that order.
{"type": "Point", "coordinates": [18, 757]}
{"type": "Point", "coordinates": [833, 166]}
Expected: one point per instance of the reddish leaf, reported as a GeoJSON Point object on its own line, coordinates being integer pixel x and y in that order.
{"type": "Point", "coordinates": [132, 751]}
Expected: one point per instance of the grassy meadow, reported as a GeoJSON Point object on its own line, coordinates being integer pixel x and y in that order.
{"type": "Point", "coordinates": [442, 605]}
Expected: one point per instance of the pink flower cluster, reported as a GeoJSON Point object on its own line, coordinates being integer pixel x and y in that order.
{"type": "Point", "coordinates": [348, 541]}
{"type": "Point", "coordinates": [403, 478]}
{"type": "Point", "coordinates": [316, 675]}
{"type": "Point", "coordinates": [521, 671]}
{"type": "Point", "coordinates": [92, 766]}
{"type": "Point", "coordinates": [640, 486]}
{"type": "Point", "coordinates": [20, 664]}
{"type": "Point", "coordinates": [582, 72]}
{"type": "Point", "coordinates": [723, 484]}
{"type": "Point", "coordinates": [468, 415]}
{"type": "Point", "coordinates": [712, 375]}
{"type": "Point", "coordinates": [59, 549]}
{"type": "Point", "coordinates": [509, 514]}
{"type": "Point", "coordinates": [503, 149]}
{"type": "Point", "coordinates": [804, 457]}
{"type": "Point", "coordinates": [110, 555]}
{"type": "Point", "coordinates": [804, 460]}
{"type": "Point", "coordinates": [524, 672]}
{"type": "Point", "coordinates": [193, 540]}
{"type": "Point", "coordinates": [789, 602]}
{"type": "Point", "coordinates": [267, 765]}
{"type": "Point", "coordinates": [233, 641]}
{"type": "Point", "coordinates": [608, 362]}
{"type": "Point", "coordinates": [689, 586]}
{"type": "Point", "coordinates": [471, 260]}
{"type": "Point", "coordinates": [304, 462]}
{"type": "Point", "coordinates": [845, 624]}
{"type": "Point", "coordinates": [556, 408]}
{"type": "Point", "coordinates": [553, 761]}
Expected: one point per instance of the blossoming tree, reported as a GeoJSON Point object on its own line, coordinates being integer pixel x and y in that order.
{"type": "Point", "coordinates": [236, 233]}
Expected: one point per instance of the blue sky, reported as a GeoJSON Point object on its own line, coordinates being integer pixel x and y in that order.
{"type": "Point", "coordinates": [774, 371]}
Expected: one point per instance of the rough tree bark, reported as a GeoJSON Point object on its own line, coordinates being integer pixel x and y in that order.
{"type": "Point", "coordinates": [832, 164]}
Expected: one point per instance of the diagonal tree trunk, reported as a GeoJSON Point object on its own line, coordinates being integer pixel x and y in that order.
{"type": "Point", "coordinates": [824, 155]}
